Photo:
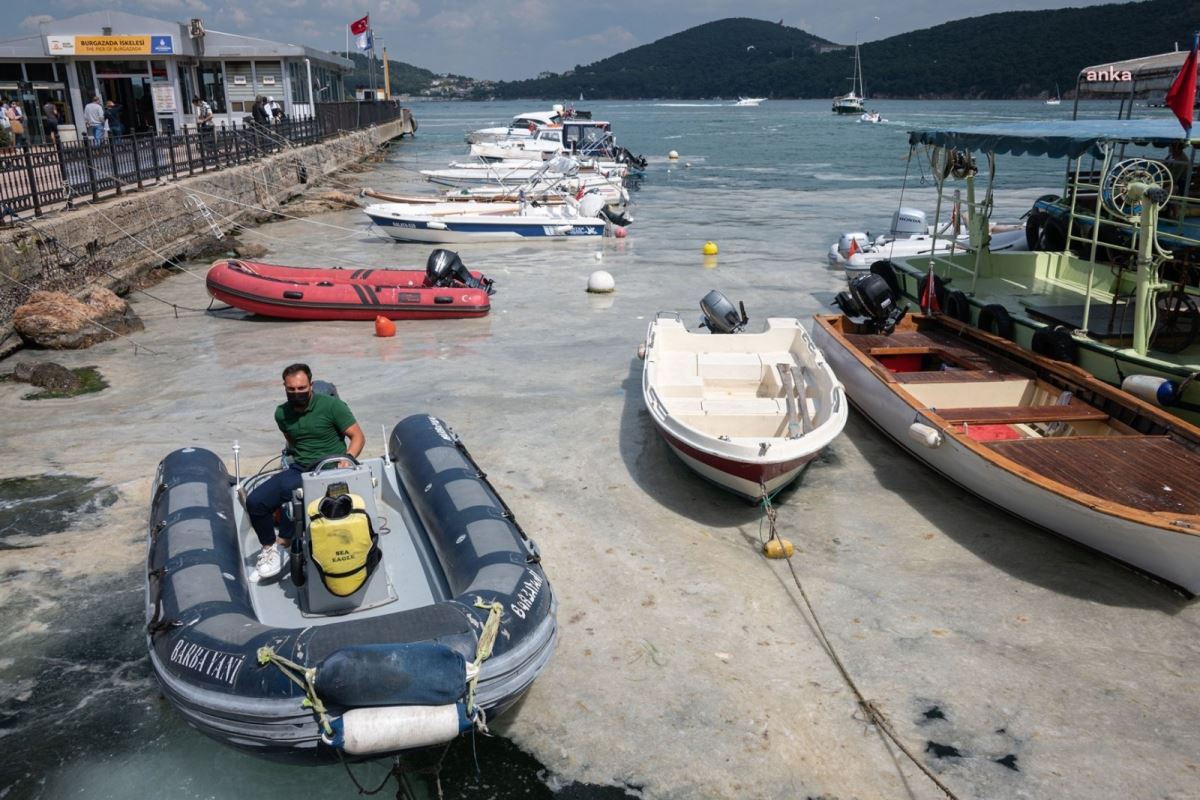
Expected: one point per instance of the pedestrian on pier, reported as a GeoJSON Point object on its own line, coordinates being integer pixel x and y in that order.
{"type": "Point", "coordinates": [16, 122]}
{"type": "Point", "coordinates": [112, 115]}
{"type": "Point", "coordinates": [93, 120]}
{"type": "Point", "coordinates": [50, 111]}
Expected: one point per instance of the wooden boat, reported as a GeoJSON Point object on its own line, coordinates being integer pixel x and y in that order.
{"type": "Point", "coordinates": [746, 411]}
{"type": "Point", "coordinates": [311, 293]}
{"type": "Point", "coordinates": [1042, 440]}
{"type": "Point", "coordinates": [305, 669]}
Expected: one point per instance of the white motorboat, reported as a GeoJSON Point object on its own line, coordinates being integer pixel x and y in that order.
{"type": "Point", "coordinates": [749, 101]}
{"type": "Point", "coordinates": [456, 223]}
{"type": "Point", "coordinates": [521, 171]}
{"type": "Point", "coordinates": [746, 411]}
{"type": "Point", "coordinates": [1036, 437]}
{"type": "Point", "coordinates": [585, 138]}
{"type": "Point", "coordinates": [872, 117]}
{"type": "Point", "coordinates": [522, 125]}
{"type": "Point", "coordinates": [910, 236]}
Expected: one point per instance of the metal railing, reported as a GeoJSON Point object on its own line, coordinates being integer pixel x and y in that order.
{"type": "Point", "coordinates": [37, 177]}
{"type": "Point", "coordinates": [351, 115]}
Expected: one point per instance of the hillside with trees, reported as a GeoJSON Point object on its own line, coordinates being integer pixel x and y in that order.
{"type": "Point", "coordinates": [405, 78]}
{"type": "Point", "coordinates": [1010, 54]}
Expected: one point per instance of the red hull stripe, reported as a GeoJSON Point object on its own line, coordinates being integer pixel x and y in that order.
{"type": "Point", "coordinates": [757, 473]}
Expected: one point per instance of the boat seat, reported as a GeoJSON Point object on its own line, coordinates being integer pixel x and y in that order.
{"type": "Point", "coordinates": [744, 405]}
{"type": "Point", "coordinates": [724, 369]}
{"type": "Point", "coordinates": [677, 376]}
{"type": "Point", "coordinates": [1012, 415]}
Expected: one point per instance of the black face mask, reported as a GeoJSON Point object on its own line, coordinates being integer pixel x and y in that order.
{"type": "Point", "coordinates": [299, 400]}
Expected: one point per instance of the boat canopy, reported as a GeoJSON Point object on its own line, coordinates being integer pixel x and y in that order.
{"type": "Point", "coordinates": [1054, 138]}
{"type": "Point", "coordinates": [1140, 76]}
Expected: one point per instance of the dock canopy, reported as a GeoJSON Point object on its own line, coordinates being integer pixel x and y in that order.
{"type": "Point", "coordinates": [1054, 138]}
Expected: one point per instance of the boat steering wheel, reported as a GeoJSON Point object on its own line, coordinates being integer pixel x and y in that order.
{"type": "Point", "coordinates": [1122, 176]}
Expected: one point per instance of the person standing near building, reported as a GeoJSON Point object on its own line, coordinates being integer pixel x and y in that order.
{"type": "Point", "coordinates": [112, 115]}
{"type": "Point", "coordinates": [93, 120]}
{"type": "Point", "coordinates": [50, 111]}
{"type": "Point", "coordinates": [274, 110]}
{"type": "Point", "coordinates": [16, 122]}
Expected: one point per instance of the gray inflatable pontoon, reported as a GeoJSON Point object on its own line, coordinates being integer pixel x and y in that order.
{"type": "Point", "coordinates": [288, 669]}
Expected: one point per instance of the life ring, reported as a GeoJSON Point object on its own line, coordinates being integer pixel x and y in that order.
{"type": "Point", "coordinates": [957, 306]}
{"type": "Point", "coordinates": [887, 271]}
{"type": "Point", "coordinates": [994, 318]}
{"type": "Point", "coordinates": [1056, 343]}
{"type": "Point", "coordinates": [939, 290]}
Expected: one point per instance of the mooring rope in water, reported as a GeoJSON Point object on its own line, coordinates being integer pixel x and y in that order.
{"type": "Point", "coordinates": [873, 713]}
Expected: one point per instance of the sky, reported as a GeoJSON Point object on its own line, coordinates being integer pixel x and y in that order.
{"type": "Point", "coordinates": [514, 39]}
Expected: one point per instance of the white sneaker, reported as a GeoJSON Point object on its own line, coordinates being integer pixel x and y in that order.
{"type": "Point", "coordinates": [270, 564]}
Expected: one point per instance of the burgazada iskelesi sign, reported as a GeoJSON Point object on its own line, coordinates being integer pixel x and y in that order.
{"type": "Point", "coordinates": [132, 45]}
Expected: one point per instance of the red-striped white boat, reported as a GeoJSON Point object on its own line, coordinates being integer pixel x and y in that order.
{"type": "Point", "coordinates": [746, 411]}
{"type": "Point", "coordinates": [445, 289]}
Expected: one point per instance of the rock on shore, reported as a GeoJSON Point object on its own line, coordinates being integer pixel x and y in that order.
{"type": "Point", "coordinates": [57, 321]}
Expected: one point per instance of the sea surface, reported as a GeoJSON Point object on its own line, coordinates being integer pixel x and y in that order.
{"type": "Point", "coordinates": [80, 716]}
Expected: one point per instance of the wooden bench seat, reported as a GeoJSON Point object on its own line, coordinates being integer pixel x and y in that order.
{"type": "Point", "coordinates": [1011, 415]}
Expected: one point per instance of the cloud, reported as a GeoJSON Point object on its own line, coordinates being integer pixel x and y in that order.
{"type": "Point", "coordinates": [32, 23]}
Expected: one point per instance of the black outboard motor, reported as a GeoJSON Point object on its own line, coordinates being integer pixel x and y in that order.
{"type": "Point", "coordinates": [719, 314]}
{"type": "Point", "coordinates": [616, 217]}
{"type": "Point", "coordinates": [444, 268]}
{"type": "Point", "coordinates": [870, 297]}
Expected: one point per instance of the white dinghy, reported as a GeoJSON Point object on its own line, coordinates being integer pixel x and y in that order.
{"type": "Point", "coordinates": [745, 411]}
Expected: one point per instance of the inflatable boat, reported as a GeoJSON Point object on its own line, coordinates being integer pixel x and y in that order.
{"type": "Point", "coordinates": [446, 289]}
{"type": "Point", "coordinates": [413, 607]}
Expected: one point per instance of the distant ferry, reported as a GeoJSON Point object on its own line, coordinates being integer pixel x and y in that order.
{"type": "Point", "coordinates": [749, 101]}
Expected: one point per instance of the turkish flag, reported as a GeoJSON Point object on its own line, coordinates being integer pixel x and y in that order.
{"type": "Point", "coordinates": [1181, 97]}
{"type": "Point", "coordinates": [359, 26]}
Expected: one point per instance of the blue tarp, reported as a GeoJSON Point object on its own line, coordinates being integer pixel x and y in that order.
{"type": "Point", "coordinates": [1054, 138]}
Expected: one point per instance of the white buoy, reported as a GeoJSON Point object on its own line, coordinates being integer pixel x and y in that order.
{"type": "Point", "coordinates": [599, 256]}
{"type": "Point", "coordinates": [672, 155]}
{"type": "Point", "coordinates": [600, 282]}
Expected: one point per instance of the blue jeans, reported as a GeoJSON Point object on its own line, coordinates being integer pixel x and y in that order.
{"type": "Point", "coordinates": [268, 497]}
{"type": "Point", "coordinates": [97, 132]}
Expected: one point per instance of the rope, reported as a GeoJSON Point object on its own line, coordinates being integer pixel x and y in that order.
{"type": "Point", "coordinates": [873, 713]}
{"type": "Point", "coordinates": [305, 678]}
{"type": "Point", "coordinates": [483, 651]}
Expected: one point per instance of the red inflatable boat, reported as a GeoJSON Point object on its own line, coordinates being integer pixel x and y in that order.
{"type": "Point", "coordinates": [445, 290]}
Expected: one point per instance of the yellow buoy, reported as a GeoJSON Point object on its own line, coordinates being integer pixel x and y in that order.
{"type": "Point", "coordinates": [778, 548]}
{"type": "Point", "coordinates": [710, 248]}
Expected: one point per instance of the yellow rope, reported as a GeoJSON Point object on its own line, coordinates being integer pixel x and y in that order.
{"type": "Point", "coordinates": [294, 671]}
{"type": "Point", "coordinates": [487, 639]}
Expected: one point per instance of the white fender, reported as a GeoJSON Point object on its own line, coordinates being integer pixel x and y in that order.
{"type": "Point", "coordinates": [388, 729]}
{"type": "Point", "coordinates": [923, 434]}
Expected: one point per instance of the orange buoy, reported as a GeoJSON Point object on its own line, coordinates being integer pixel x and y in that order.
{"type": "Point", "coordinates": [384, 327]}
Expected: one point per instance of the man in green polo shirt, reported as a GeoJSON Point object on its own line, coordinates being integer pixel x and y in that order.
{"type": "Point", "coordinates": [316, 427]}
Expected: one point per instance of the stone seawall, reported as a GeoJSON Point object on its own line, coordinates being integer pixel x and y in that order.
{"type": "Point", "coordinates": [112, 241]}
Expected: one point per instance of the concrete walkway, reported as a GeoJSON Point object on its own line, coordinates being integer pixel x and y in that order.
{"type": "Point", "coordinates": [1011, 663]}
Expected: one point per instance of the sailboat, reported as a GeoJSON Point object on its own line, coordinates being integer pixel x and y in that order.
{"type": "Point", "coordinates": [1057, 99]}
{"type": "Point", "coordinates": [852, 103]}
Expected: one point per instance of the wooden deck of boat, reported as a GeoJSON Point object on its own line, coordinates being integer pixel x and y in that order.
{"type": "Point", "coordinates": [1151, 473]}
{"type": "Point", "coordinates": [1155, 474]}
{"type": "Point", "coordinates": [977, 365]}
